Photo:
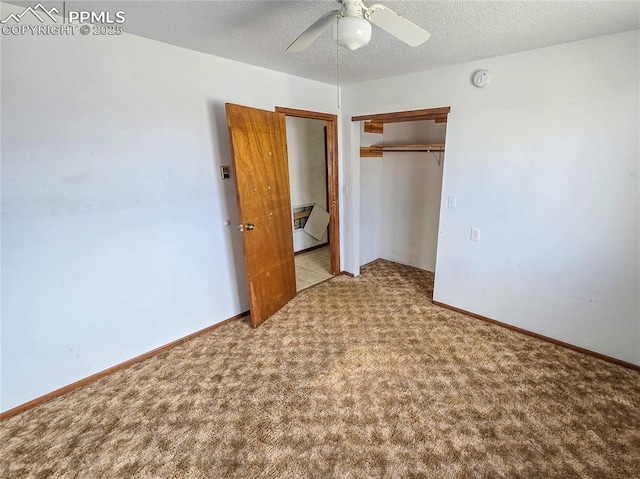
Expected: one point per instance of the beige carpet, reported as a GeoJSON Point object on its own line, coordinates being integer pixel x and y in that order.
{"type": "Point", "coordinates": [356, 377]}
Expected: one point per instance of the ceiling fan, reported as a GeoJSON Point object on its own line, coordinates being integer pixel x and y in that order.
{"type": "Point", "coordinates": [354, 26]}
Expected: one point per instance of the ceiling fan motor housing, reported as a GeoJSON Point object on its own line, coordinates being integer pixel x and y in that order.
{"type": "Point", "coordinates": [352, 8]}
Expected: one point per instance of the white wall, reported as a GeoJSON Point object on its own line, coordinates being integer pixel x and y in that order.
{"type": "Point", "coordinates": [307, 171]}
{"type": "Point", "coordinates": [545, 161]}
{"type": "Point", "coordinates": [112, 208]}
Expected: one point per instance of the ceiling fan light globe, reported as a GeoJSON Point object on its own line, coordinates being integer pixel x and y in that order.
{"type": "Point", "coordinates": [353, 32]}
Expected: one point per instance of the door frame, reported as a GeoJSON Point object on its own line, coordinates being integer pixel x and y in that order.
{"type": "Point", "coordinates": [333, 190]}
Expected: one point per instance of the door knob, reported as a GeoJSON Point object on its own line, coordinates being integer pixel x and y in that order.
{"type": "Point", "coordinates": [249, 226]}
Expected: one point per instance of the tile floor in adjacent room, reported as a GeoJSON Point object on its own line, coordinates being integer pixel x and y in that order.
{"type": "Point", "coordinates": [313, 267]}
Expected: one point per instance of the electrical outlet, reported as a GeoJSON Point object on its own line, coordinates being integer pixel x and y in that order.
{"type": "Point", "coordinates": [452, 201]}
{"type": "Point", "coordinates": [475, 233]}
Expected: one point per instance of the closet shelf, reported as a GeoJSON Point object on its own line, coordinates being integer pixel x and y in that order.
{"type": "Point", "coordinates": [376, 151]}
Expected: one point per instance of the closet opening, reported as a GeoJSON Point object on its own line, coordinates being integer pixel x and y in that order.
{"type": "Point", "coordinates": [401, 171]}
{"type": "Point", "coordinates": [313, 177]}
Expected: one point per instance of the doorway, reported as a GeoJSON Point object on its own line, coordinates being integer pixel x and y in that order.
{"type": "Point", "coordinates": [317, 258]}
{"type": "Point", "coordinates": [259, 153]}
{"type": "Point", "coordinates": [307, 157]}
{"type": "Point", "coordinates": [401, 172]}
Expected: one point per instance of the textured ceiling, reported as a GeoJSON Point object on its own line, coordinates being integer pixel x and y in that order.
{"type": "Point", "coordinates": [258, 32]}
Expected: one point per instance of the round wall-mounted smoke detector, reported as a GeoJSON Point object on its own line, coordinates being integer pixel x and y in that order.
{"type": "Point", "coordinates": [481, 78]}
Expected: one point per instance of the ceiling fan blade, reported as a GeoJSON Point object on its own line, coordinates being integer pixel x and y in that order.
{"type": "Point", "coordinates": [314, 31]}
{"type": "Point", "coordinates": [398, 26]}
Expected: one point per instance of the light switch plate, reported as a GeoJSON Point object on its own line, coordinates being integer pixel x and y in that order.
{"type": "Point", "coordinates": [451, 201]}
{"type": "Point", "coordinates": [475, 233]}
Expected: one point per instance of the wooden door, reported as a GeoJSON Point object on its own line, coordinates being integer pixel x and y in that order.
{"type": "Point", "coordinates": [259, 150]}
